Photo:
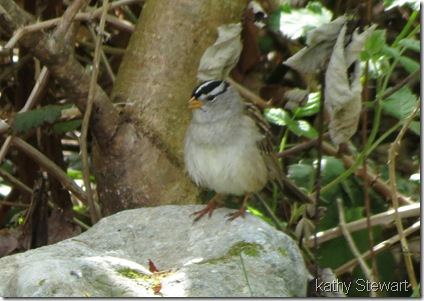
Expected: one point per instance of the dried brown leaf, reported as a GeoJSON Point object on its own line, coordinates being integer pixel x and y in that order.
{"type": "Point", "coordinates": [343, 90]}
{"type": "Point", "coordinates": [220, 58]}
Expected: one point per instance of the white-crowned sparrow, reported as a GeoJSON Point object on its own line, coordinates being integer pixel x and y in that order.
{"type": "Point", "coordinates": [227, 146]}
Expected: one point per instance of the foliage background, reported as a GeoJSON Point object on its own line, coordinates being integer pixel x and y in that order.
{"type": "Point", "coordinates": [43, 118]}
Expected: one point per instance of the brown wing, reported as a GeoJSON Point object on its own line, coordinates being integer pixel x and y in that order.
{"type": "Point", "coordinates": [265, 144]}
{"type": "Point", "coordinates": [266, 147]}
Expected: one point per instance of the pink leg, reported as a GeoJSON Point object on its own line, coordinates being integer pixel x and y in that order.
{"type": "Point", "coordinates": [208, 209]}
{"type": "Point", "coordinates": [242, 209]}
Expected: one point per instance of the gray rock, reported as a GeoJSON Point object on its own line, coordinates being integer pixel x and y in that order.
{"type": "Point", "coordinates": [209, 258]}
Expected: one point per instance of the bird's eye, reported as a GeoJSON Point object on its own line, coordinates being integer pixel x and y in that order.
{"type": "Point", "coordinates": [210, 97]}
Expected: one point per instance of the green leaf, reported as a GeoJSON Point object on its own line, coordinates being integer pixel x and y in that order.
{"type": "Point", "coordinates": [298, 22]}
{"type": "Point", "coordinates": [74, 174]}
{"type": "Point", "coordinates": [375, 42]}
{"type": "Point", "coordinates": [311, 107]}
{"type": "Point", "coordinates": [415, 127]}
{"type": "Point", "coordinates": [412, 44]}
{"type": "Point", "coordinates": [390, 51]}
{"type": "Point", "coordinates": [266, 44]}
{"type": "Point", "coordinates": [37, 117]}
{"type": "Point", "coordinates": [400, 104]}
{"type": "Point", "coordinates": [297, 211]}
{"type": "Point", "coordinates": [67, 126]}
{"type": "Point", "coordinates": [353, 214]}
{"type": "Point", "coordinates": [414, 4]}
{"type": "Point", "coordinates": [302, 174]}
{"type": "Point", "coordinates": [409, 64]}
{"type": "Point", "coordinates": [277, 116]}
{"type": "Point", "coordinates": [416, 293]}
{"type": "Point", "coordinates": [316, 7]}
{"type": "Point", "coordinates": [274, 20]}
{"type": "Point", "coordinates": [302, 128]}
{"type": "Point", "coordinates": [285, 8]}
{"type": "Point", "coordinates": [300, 170]}
{"type": "Point", "coordinates": [331, 168]}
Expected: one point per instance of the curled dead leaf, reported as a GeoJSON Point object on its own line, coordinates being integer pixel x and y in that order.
{"type": "Point", "coordinates": [296, 98]}
{"type": "Point", "coordinates": [343, 90]}
{"type": "Point", "coordinates": [320, 43]}
{"type": "Point", "coordinates": [220, 58]}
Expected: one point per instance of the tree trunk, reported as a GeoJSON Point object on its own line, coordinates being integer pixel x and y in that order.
{"type": "Point", "coordinates": [143, 165]}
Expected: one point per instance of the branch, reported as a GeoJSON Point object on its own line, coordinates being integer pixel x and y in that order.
{"type": "Point", "coordinates": [39, 86]}
{"type": "Point", "coordinates": [351, 243]}
{"type": "Point", "coordinates": [383, 218]}
{"type": "Point", "coordinates": [305, 145]}
{"type": "Point", "coordinates": [32, 99]}
{"type": "Point", "coordinates": [94, 213]}
{"type": "Point", "coordinates": [50, 167]}
{"type": "Point", "coordinates": [16, 183]}
{"type": "Point", "coordinates": [70, 74]}
{"type": "Point", "coordinates": [370, 177]}
{"type": "Point", "coordinates": [384, 245]}
{"type": "Point", "coordinates": [82, 16]}
{"type": "Point", "coordinates": [249, 95]}
{"type": "Point", "coordinates": [393, 152]}
{"type": "Point", "coordinates": [401, 84]}
{"type": "Point", "coordinates": [67, 19]}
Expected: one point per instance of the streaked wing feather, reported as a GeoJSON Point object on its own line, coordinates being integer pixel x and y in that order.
{"type": "Point", "coordinates": [265, 144]}
{"type": "Point", "coordinates": [268, 153]}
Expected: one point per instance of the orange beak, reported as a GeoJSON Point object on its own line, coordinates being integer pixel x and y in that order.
{"type": "Point", "coordinates": [193, 104]}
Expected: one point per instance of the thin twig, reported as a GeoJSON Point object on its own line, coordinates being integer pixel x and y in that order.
{"type": "Point", "coordinates": [401, 84]}
{"type": "Point", "coordinates": [383, 218]}
{"type": "Point", "coordinates": [94, 213]}
{"type": "Point", "coordinates": [384, 245]}
{"type": "Point", "coordinates": [249, 95]}
{"type": "Point", "coordinates": [15, 183]}
{"type": "Point", "coordinates": [342, 223]}
{"type": "Point", "coordinates": [304, 145]}
{"type": "Point", "coordinates": [81, 224]}
{"type": "Point", "coordinates": [35, 93]}
{"type": "Point", "coordinates": [5, 148]}
{"type": "Point", "coordinates": [13, 204]}
{"type": "Point", "coordinates": [355, 165]}
{"type": "Point", "coordinates": [364, 121]}
{"type": "Point", "coordinates": [106, 49]}
{"type": "Point", "coordinates": [82, 16]}
{"type": "Point", "coordinates": [103, 56]}
{"type": "Point", "coordinates": [50, 167]}
{"type": "Point", "coordinates": [122, 25]}
{"type": "Point", "coordinates": [16, 37]}
{"type": "Point", "coordinates": [370, 177]}
{"type": "Point", "coordinates": [318, 176]}
{"type": "Point", "coordinates": [393, 152]}
{"type": "Point", "coordinates": [39, 86]}
{"type": "Point", "coordinates": [67, 19]}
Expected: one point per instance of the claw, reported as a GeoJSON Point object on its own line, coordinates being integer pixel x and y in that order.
{"type": "Point", "coordinates": [241, 211]}
{"type": "Point", "coordinates": [210, 207]}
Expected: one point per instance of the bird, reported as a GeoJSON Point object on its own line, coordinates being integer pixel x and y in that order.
{"type": "Point", "coordinates": [228, 148]}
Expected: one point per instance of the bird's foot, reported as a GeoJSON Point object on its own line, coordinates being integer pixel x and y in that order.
{"type": "Point", "coordinates": [241, 212]}
{"type": "Point", "coordinates": [210, 207]}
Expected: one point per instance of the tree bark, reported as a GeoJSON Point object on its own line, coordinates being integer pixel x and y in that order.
{"type": "Point", "coordinates": [155, 80]}
{"type": "Point", "coordinates": [137, 151]}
